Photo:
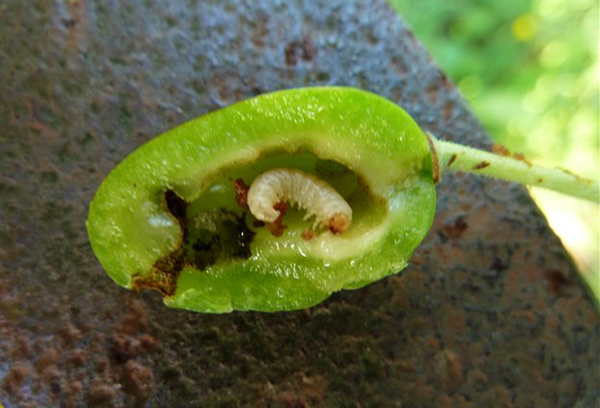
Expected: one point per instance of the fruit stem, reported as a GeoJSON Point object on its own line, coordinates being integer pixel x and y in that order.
{"type": "Point", "coordinates": [511, 167]}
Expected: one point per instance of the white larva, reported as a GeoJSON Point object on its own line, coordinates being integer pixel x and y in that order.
{"type": "Point", "coordinates": [305, 190]}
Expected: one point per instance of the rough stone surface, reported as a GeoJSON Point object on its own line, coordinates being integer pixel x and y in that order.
{"type": "Point", "coordinates": [491, 312]}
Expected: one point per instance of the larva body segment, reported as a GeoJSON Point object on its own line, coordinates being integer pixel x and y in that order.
{"type": "Point", "coordinates": [306, 191]}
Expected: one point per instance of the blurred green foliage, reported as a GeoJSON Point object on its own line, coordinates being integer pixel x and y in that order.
{"type": "Point", "coordinates": [530, 70]}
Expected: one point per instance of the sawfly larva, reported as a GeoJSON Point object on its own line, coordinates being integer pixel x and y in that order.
{"type": "Point", "coordinates": [305, 190]}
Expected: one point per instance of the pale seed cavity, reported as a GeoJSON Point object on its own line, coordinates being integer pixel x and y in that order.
{"type": "Point", "coordinates": [304, 190]}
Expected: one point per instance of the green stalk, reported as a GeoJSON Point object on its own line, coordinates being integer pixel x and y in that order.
{"type": "Point", "coordinates": [452, 156]}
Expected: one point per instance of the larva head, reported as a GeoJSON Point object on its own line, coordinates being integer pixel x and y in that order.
{"type": "Point", "coordinates": [339, 222]}
{"type": "Point", "coordinates": [176, 215]}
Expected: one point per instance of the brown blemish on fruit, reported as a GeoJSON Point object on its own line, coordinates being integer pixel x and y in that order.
{"type": "Point", "coordinates": [576, 177]}
{"type": "Point", "coordinates": [481, 165]}
{"type": "Point", "coordinates": [452, 159]}
{"type": "Point", "coordinates": [521, 157]}
{"type": "Point", "coordinates": [503, 151]}
{"type": "Point", "coordinates": [277, 227]}
{"type": "Point", "coordinates": [540, 180]}
{"type": "Point", "coordinates": [163, 277]}
{"type": "Point", "coordinates": [500, 150]}
{"type": "Point", "coordinates": [241, 193]}
{"type": "Point", "coordinates": [435, 162]}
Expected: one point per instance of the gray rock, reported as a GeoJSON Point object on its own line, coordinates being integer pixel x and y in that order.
{"type": "Point", "coordinates": [490, 313]}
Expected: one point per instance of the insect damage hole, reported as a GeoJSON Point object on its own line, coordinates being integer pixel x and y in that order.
{"type": "Point", "coordinates": [306, 191]}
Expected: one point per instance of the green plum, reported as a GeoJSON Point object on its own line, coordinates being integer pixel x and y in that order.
{"type": "Point", "coordinates": [172, 216]}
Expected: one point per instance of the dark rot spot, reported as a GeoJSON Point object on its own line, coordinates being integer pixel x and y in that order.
{"type": "Point", "coordinates": [241, 193]}
{"type": "Point", "coordinates": [176, 205]}
{"type": "Point", "coordinates": [277, 227]}
{"type": "Point", "coordinates": [481, 165]}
